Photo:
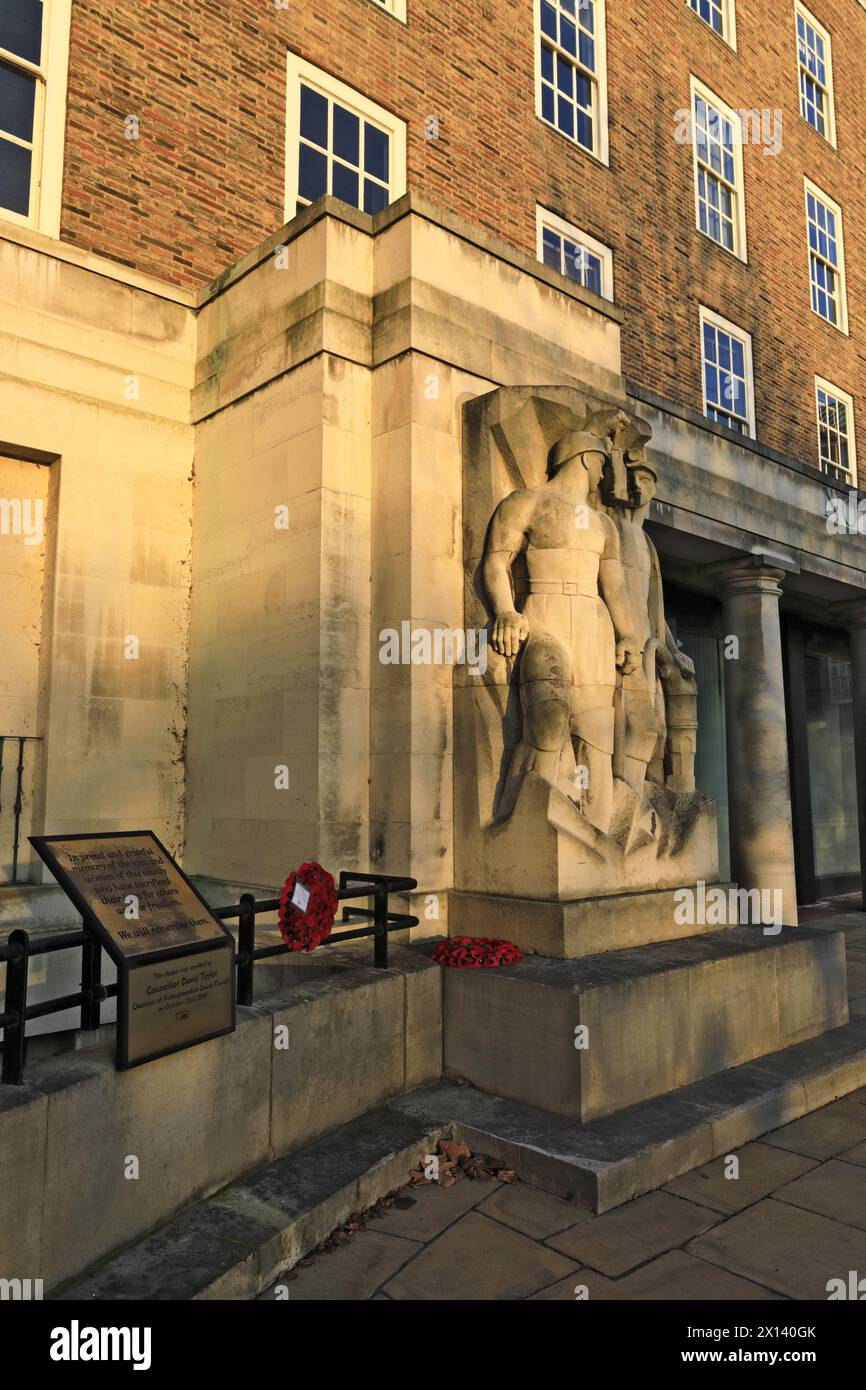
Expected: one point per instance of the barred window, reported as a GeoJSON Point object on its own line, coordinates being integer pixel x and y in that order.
{"type": "Point", "coordinates": [826, 258]}
{"type": "Point", "coordinates": [718, 163]}
{"type": "Point", "coordinates": [395, 7]}
{"type": "Point", "coordinates": [816, 74]}
{"type": "Point", "coordinates": [575, 253]}
{"type": "Point", "coordinates": [571, 84]}
{"type": "Point", "coordinates": [719, 14]}
{"type": "Point", "coordinates": [729, 396]}
{"type": "Point", "coordinates": [340, 143]}
{"type": "Point", "coordinates": [34, 49]}
{"type": "Point", "coordinates": [836, 443]}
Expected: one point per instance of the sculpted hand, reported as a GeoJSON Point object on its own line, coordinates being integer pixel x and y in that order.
{"type": "Point", "coordinates": [628, 655]}
{"type": "Point", "coordinates": [509, 630]}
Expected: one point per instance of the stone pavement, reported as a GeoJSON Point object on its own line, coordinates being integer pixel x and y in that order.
{"type": "Point", "coordinates": [790, 1216]}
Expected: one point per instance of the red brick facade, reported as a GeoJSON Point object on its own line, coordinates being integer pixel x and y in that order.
{"type": "Point", "coordinates": [204, 182]}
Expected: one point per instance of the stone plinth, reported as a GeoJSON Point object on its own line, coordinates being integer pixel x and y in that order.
{"type": "Point", "coordinates": [655, 1019]}
{"type": "Point", "coordinates": [583, 927]}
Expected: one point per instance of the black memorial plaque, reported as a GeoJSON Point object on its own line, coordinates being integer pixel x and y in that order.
{"type": "Point", "coordinates": [175, 960]}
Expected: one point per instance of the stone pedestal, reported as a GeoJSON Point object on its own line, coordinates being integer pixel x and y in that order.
{"type": "Point", "coordinates": [587, 1038]}
{"type": "Point", "coordinates": [759, 796]}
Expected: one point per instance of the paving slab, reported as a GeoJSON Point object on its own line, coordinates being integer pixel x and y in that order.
{"type": "Point", "coordinates": [825, 1132]}
{"type": "Point", "coordinates": [785, 1248]}
{"type": "Point", "coordinates": [353, 1272]}
{"type": "Point", "coordinates": [762, 1169]}
{"type": "Point", "coordinates": [479, 1259]}
{"type": "Point", "coordinates": [681, 1278]}
{"type": "Point", "coordinates": [619, 1240]}
{"type": "Point", "coordinates": [535, 1213]}
{"type": "Point", "coordinates": [855, 1155]}
{"type": "Point", "coordinates": [432, 1209]}
{"type": "Point", "coordinates": [836, 1189]}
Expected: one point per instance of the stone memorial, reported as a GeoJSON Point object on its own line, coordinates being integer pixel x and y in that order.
{"type": "Point", "coordinates": [579, 828]}
{"type": "Point", "coordinates": [576, 748]}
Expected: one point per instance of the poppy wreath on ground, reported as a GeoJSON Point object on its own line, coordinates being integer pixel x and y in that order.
{"type": "Point", "coordinates": [303, 929]}
{"type": "Point", "coordinates": [476, 953]}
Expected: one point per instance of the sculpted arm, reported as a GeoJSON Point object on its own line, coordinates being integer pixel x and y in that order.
{"type": "Point", "coordinates": [613, 589]}
{"type": "Point", "coordinates": [506, 540]}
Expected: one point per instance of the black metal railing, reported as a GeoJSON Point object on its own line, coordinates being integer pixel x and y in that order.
{"type": "Point", "coordinates": [17, 742]}
{"type": "Point", "coordinates": [18, 950]}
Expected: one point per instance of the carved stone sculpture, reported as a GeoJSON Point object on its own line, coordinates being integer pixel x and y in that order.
{"type": "Point", "coordinates": [574, 751]}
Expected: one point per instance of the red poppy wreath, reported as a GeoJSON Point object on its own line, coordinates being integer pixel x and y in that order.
{"type": "Point", "coordinates": [476, 953]}
{"type": "Point", "coordinates": [308, 906]}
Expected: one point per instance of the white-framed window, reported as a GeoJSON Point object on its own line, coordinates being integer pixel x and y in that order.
{"type": "Point", "coordinates": [717, 145]}
{"type": "Point", "coordinates": [720, 15]}
{"type": "Point", "coordinates": [575, 253]}
{"type": "Point", "coordinates": [571, 71]}
{"type": "Point", "coordinates": [837, 446]}
{"type": "Point", "coordinates": [395, 7]}
{"type": "Point", "coordinates": [826, 257]}
{"type": "Point", "coordinates": [34, 57]}
{"type": "Point", "coordinates": [338, 142]}
{"type": "Point", "coordinates": [815, 74]}
{"type": "Point", "coordinates": [726, 369]}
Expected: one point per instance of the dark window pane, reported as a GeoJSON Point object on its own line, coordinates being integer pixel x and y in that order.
{"type": "Point", "coordinates": [17, 99]}
{"type": "Point", "coordinates": [21, 28]}
{"type": "Point", "coordinates": [345, 184]}
{"type": "Point", "coordinates": [376, 152]}
{"type": "Point", "coordinates": [14, 177]}
{"type": "Point", "coordinates": [592, 274]}
{"type": "Point", "coordinates": [347, 135]}
{"type": "Point", "coordinates": [552, 249]}
{"type": "Point", "coordinates": [548, 21]}
{"type": "Point", "coordinates": [375, 196]}
{"type": "Point", "coordinates": [547, 63]}
{"type": "Point", "coordinates": [565, 119]}
{"type": "Point", "coordinates": [547, 103]}
{"type": "Point", "coordinates": [314, 117]}
{"type": "Point", "coordinates": [312, 174]}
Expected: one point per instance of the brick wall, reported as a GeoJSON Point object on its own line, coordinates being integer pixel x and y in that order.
{"type": "Point", "coordinates": [204, 182]}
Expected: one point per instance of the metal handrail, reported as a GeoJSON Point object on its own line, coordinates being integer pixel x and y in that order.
{"type": "Point", "coordinates": [17, 951]}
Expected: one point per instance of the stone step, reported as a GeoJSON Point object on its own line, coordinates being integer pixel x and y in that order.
{"type": "Point", "coordinates": [611, 1160]}
{"type": "Point", "coordinates": [585, 1038]}
{"type": "Point", "coordinates": [239, 1241]}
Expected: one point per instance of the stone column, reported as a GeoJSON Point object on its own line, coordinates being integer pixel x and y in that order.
{"type": "Point", "coordinates": [759, 793]}
{"type": "Point", "coordinates": [853, 615]}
